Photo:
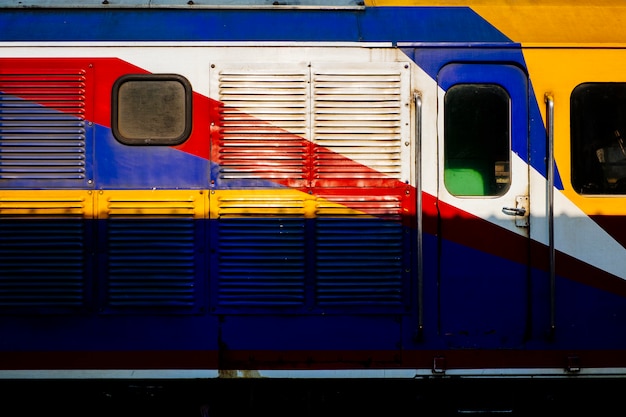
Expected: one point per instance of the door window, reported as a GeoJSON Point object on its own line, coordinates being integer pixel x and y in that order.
{"type": "Point", "coordinates": [476, 142]}
{"type": "Point", "coordinates": [598, 124]}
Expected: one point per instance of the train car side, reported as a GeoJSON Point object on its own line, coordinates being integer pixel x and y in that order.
{"type": "Point", "coordinates": [417, 192]}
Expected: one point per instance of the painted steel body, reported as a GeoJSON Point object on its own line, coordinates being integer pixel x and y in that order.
{"type": "Point", "coordinates": [315, 239]}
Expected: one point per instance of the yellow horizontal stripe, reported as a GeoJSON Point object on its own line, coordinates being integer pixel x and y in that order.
{"type": "Point", "coordinates": [130, 203]}
{"type": "Point", "coordinates": [287, 202]}
{"type": "Point", "coordinates": [103, 204]}
{"type": "Point", "coordinates": [24, 203]}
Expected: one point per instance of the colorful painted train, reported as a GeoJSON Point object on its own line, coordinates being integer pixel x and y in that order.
{"type": "Point", "coordinates": [312, 190]}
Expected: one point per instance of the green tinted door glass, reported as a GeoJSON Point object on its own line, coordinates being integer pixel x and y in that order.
{"type": "Point", "coordinates": [476, 141]}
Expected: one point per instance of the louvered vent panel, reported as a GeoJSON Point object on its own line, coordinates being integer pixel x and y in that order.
{"type": "Point", "coordinates": [357, 123]}
{"type": "Point", "coordinates": [359, 258]}
{"type": "Point", "coordinates": [261, 259]}
{"type": "Point", "coordinates": [263, 124]}
{"type": "Point", "coordinates": [151, 255]}
{"type": "Point", "coordinates": [42, 262]}
{"type": "Point", "coordinates": [42, 126]}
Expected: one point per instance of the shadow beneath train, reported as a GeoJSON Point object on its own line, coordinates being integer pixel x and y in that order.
{"type": "Point", "coordinates": [307, 398]}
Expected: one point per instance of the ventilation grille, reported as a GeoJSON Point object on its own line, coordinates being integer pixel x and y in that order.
{"type": "Point", "coordinates": [261, 260]}
{"type": "Point", "coordinates": [339, 250]}
{"type": "Point", "coordinates": [314, 125]}
{"type": "Point", "coordinates": [257, 204]}
{"type": "Point", "coordinates": [42, 126]}
{"type": "Point", "coordinates": [18, 204]}
{"type": "Point", "coordinates": [151, 251]}
{"type": "Point", "coordinates": [359, 259]}
{"type": "Point", "coordinates": [151, 263]}
{"type": "Point", "coordinates": [382, 205]}
{"type": "Point", "coordinates": [42, 263]}
{"type": "Point", "coordinates": [357, 124]}
{"type": "Point", "coordinates": [263, 123]}
{"type": "Point", "coordinates": [42, 248]}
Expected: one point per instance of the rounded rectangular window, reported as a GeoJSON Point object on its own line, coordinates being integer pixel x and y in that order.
{"type": "Point", "coordinates": [598, 149]}
{"type": "Point", "coordinates": [151, 109]}
{"type": "Point", "coordinates": [477, 140]}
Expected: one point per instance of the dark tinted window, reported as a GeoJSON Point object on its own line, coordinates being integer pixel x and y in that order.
{"type": "Point", "coordinates": [151, 109]}
{"type": "Point", "coordinates": [476, 142]}
{"type": "Point", "coordinates": [598, 152]}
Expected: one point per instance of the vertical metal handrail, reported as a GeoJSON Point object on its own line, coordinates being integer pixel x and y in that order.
{"type": "Point", "coordinates": [417, 98]}
{"type": "Point", "coordinates": [552, 262]}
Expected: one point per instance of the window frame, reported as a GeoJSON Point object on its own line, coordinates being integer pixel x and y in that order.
{"type": "Point", "coordinates": [492, 189]}
{"type": "Point", "coordinates": [143, 141]}
{"type": "Point", "coordinates": [590, 175]}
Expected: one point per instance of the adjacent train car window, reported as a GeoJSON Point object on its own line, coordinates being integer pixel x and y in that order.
{"type": "Point", "coordinates": [151, 109]}
{"type": "Point", "coordinates": [477, 140]}
{"type": "Point", "coordinates": [598, 125]}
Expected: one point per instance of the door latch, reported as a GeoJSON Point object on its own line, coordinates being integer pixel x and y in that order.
{"type": "Point", "coordinates": [520, 211]}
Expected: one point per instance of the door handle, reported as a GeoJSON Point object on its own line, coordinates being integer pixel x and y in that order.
{"type": "Point", "coordinates": [520, 211]}
{"type": "Point", "coordinates": [514, 211]}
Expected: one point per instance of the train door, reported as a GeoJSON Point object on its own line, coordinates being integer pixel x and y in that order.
{"type": "Point", "coordinates": [483, 205]}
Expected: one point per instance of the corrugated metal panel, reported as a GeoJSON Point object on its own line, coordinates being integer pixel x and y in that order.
{"type": "Point", "coordinates": [359, 260]}
{"type": "Point", "coordinates": [262, 123]}
{"type": "Point", "coordinates": [42, 249]}
{"type": "Point", "coordinates": [261, 260]}
{"type": "Point", "coordinates": [151, 248]}
{"type": "Point", "coordinates": [42, 124]}
{"type": "Point", "coordinates": [358, 113]}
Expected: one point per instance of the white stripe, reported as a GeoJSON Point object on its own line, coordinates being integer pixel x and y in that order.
{"type": "Point", "coordinates": [308, 374]}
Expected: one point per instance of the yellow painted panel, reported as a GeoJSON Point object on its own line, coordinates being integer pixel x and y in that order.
{"type": "Point", "coordinates": [240, 203]}
{"type": "Point", "coordinates": [131, 203]}
{"type": "Point", "coordinates": [558, 72]}
{"type": "Point", "coordinates": [61, 203]}
{"type": "Point", "coordinates": [287, 202]}
{"type": "Point", "coordinates": [541, 22]}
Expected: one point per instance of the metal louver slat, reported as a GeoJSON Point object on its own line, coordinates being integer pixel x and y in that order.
{"type": "Point", "coordinates": [42, 254]}
{"type": "Point", "coordinates": [263, 123]}
{"type": "Point", "coordinates": [42, 125]}
{"type": "Point", "coordinates": [261, 262]}
{"type": "Point", "coordinates": [41, 263]}
{"type": "Point", "coordinates": [359, 259]}
{"type": "Point", "coordinates": [357, 122]}
{"type": "Point", "coordinates": [261, 258]}
{"type": "Point", "coordinates": [151, 248]}
{"type": "Point", "coordinates": [150, 263]}
{"type": "Point", "coordinates": [345, 135]}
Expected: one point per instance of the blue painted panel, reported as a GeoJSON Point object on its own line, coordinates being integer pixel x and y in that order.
{"type": "Point", "coordinates": [484, 300]}
{"type": "Point", "coordinates": [587, 318]}
{"type": "Point", "coordinates": [312, 332]}
{"type": "Point", "coordinates": [390, 24]}
{"type": "Point", "coordinates": [108, 333]}
{"type": "Point", "coordinates": [145, 167]}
